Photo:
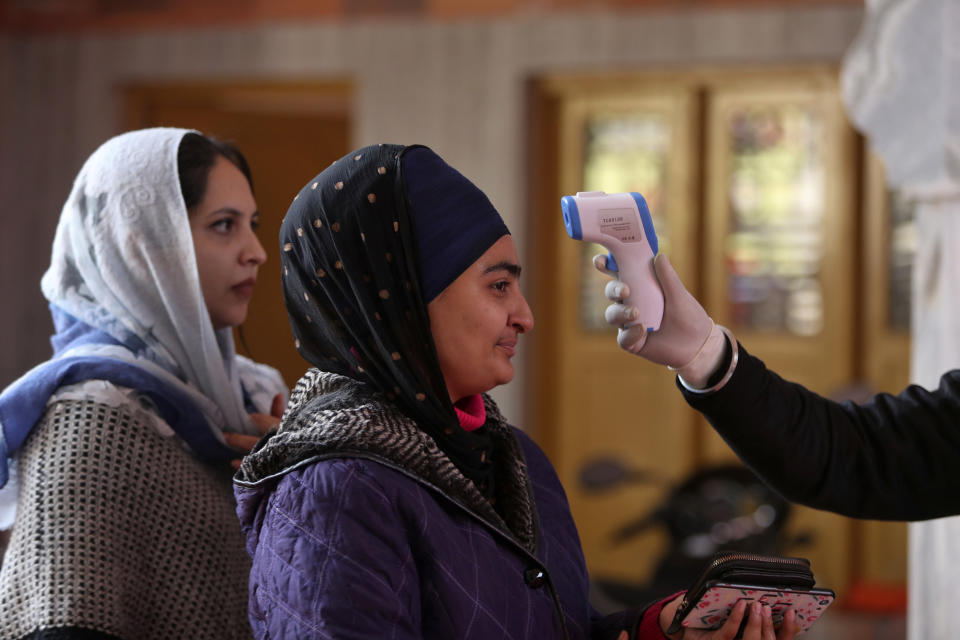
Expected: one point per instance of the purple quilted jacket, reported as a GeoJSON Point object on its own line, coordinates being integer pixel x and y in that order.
{"type": "Point", "coordinates": [360, 528]}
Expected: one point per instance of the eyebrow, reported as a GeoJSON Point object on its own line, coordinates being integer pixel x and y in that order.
{"type": "Point", "coordinates": [504, 265]}
{"type": "Point", "coordinates": [236, 213]}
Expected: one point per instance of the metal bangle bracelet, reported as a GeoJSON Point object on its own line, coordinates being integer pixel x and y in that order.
{"type": "Point", "coordinates": [734, 358]}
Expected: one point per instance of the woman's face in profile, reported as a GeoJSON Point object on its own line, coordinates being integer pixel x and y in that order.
{"type": "Point", "coordinates": [228, 252]}
{"type": "Point", "coordinates": [476, 322]}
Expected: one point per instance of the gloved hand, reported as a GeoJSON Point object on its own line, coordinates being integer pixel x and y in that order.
{"type": "Point", "coordinates": [688, 341]}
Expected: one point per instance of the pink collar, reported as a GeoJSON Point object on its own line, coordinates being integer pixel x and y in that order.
{"type": "Point", "coordinates": [471, 412]}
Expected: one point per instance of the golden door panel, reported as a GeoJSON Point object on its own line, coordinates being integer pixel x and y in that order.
{"type": "Point", "coordinates": [779, 224]}
{"type": "Point", "coordinates": [779, 228]}
{"type": "Point", "coordinates": [613, 405]}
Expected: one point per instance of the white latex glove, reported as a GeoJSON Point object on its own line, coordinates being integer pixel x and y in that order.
{"type": "Point", "coordinates": [688, 341]}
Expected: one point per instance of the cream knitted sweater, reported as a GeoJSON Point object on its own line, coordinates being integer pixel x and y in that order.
{"type": "Point", "coordinates": [121, 531]}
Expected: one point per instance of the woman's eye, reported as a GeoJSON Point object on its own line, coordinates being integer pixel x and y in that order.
{"type": "Point", "coordinates": [255, 223]}
{"type": "Point", "coordinates": [501, 286]}
{"type": "Point", "coordinates": [222, 226]}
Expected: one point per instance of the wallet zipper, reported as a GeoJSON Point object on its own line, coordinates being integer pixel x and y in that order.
{"type": "Point", "coordinates": [719, 562]}
{"type": "Point", "coordinates": [792, 562]}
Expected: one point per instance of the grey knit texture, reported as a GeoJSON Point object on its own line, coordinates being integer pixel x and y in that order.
{"type": "Point", "coordinates": [120, 530]}
{"type": "Point", "coordinates": [330, 415]}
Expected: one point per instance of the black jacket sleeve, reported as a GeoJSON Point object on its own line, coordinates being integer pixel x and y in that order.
{"type": "Point", "coordinates": [892, 458]}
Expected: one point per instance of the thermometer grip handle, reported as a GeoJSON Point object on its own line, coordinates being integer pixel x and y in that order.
{"type": "Point", "coordinates": [645, 292]}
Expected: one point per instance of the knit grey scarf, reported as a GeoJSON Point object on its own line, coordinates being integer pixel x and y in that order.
{"type": "Point", "coordinates": [334, 416]}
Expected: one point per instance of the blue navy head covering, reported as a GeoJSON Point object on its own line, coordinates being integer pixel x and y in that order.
{"type": "Point", "coordinates": [364, 247]}
{"type": "Point", "coordinates": [454, 222]}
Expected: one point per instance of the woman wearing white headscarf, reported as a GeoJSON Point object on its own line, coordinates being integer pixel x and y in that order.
{"type": "Point", "coordinates": [115, 454]}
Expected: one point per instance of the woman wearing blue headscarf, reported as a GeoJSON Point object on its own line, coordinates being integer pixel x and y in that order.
{"type": "Point", "coordinates": [115, 454]}
{"type": "Point", "coordinates": [395, 500]}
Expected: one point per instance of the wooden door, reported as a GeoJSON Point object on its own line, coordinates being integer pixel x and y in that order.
{"type": "Point", "coordinates": [754, 177]}
{"type": "Point", "coordinates": [781, 249]}
{"type": "Point", "coordinates": [592, 401]}
{"type": "Point", "coordinates": [288, 133]}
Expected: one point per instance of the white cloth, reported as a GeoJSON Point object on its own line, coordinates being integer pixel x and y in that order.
{"type": "Point", "coordinates": [901, 86]}
{"type": "Point", "coordinates": [123, 262]}
{"type": "Point", "coordinates": [934, 594]}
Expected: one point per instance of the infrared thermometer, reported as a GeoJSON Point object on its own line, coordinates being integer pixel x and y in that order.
{"type": "Point", "coordinates": [621, 222]}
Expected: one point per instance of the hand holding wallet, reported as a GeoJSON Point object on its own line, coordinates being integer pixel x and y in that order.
{"type": "Point", "coordinates": [779, 582]}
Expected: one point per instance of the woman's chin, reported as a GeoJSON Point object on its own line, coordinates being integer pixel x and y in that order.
{"type": "Point", "coordinates": [504, 377]}
{"type": "Point", "coordinates": [229, 319]}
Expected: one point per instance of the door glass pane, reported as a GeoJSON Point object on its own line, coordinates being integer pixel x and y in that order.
{"type": "Point", "coordinates": [901, 249]}
{"type": "Point", "coordinates": [776, 194]}
{"type": "Point", "coordinates": [622, 152]}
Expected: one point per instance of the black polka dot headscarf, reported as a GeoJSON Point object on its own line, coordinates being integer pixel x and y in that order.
{"type": "Point", "coordinates": [364, 247]}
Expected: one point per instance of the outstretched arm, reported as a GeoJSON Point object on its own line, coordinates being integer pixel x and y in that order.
{"type": "Point", "coordinates": [892, 458]}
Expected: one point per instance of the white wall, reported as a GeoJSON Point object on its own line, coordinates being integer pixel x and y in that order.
{"type": "Point", "coordinates": [455, 86]}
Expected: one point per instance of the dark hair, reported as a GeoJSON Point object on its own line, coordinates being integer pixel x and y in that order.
{"type": "Point", "coordinates": [196, 157]}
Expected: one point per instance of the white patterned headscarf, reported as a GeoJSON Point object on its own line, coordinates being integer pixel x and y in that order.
{"type": "Point", "coordinates": [125, 294]}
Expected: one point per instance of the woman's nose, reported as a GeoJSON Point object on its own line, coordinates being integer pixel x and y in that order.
{"type": "Point", "coordinates": [253, 251]}
{"type": "Point", "coordinates": [523, 316]}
